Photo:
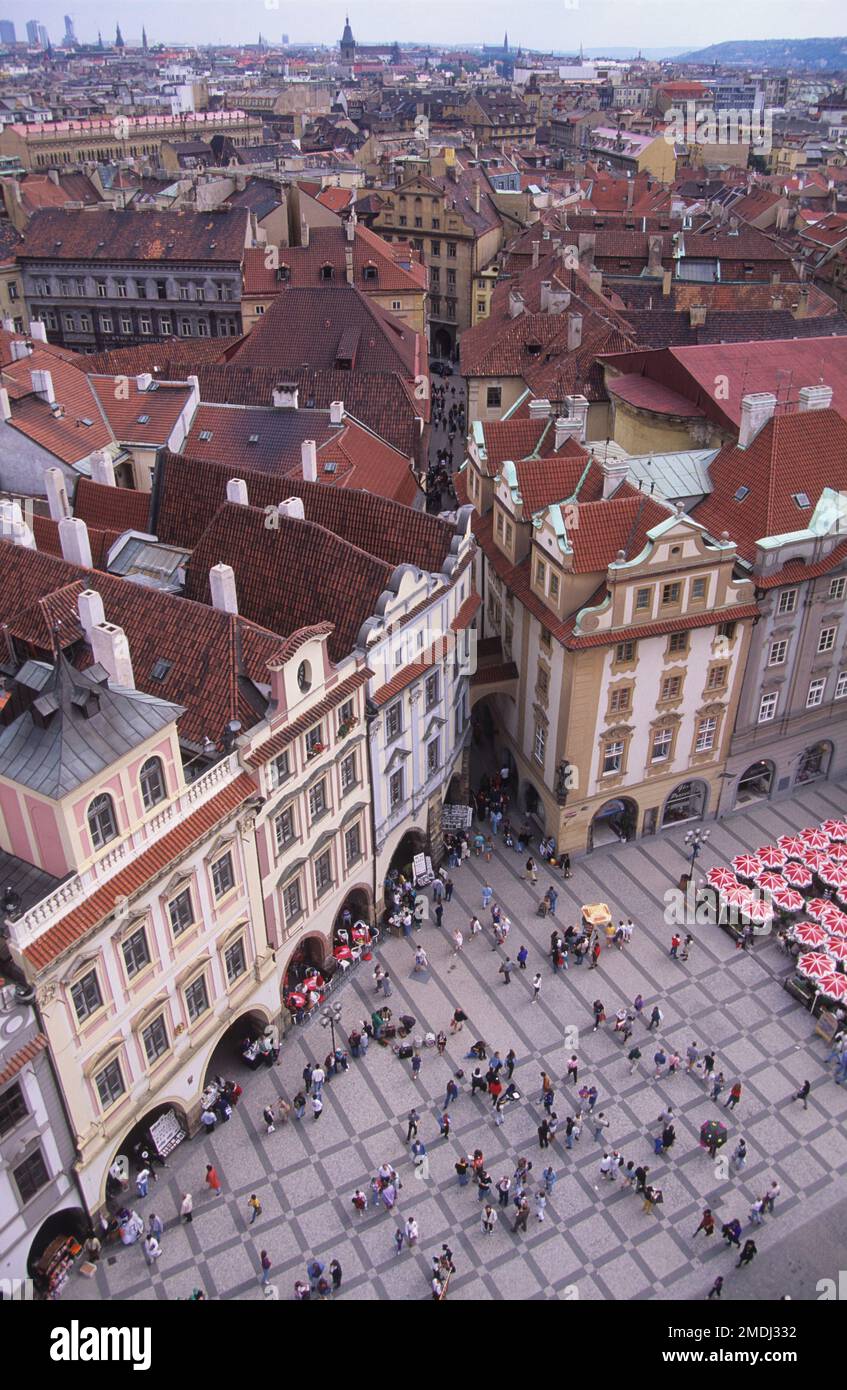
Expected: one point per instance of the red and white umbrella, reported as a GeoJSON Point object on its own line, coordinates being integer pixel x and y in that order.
{"type": "Point", "coordinates": [836, 922]}
{"type": "Point", "coordinates": [810, 934]}
{"type": "Point", "coordinates": [834, 875]}
{"type": "Point", "coordinates": [835, 829]}
{"type": "Point", "coordinates": [757, 910]}
{"type": "Point", "coordinates": [747, 865]}
{"type": "Point", "coordinates": [815, 965]}
{"type": "Point", "coordinates": [813, 858]}
{"type": "Point", "coordinates": [815, 839]}
{"type": "Point", "coordinates": [769, 881]}
{"type": "Point", "coordinates": [836, 948]}
{"type": "Point", "coordinates": [819, 908]}
{"type": "Point", "coordinates": [791, 845]}
{"type": "Point", "coordinates": [771, 857]}
{"type": "Point", "coordinates": [788, 899]}
{"type": "Point", "coordinates": [837, 853]}
{"type": "Point", "coordinates": [834, 986]}
{"type": "Point", "coordinates": [735, 894]}
{"type": "Point", "coordinates": [721, 877]}
{"type": "Point", "coordinates": [798, 874]}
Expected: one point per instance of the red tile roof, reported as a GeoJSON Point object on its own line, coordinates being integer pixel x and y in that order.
{"type": "Point", "coordinates": [796, 570]}
{"type": "Point", "coordinates": [124, 408]}
{"type": "Point", "coordinates": [63, 435]}
{"type": "Point", "coordinates": [143, 870]}
{"type": "Point", "coordinates": [46, 532]}
{"type": "Point", "coordinates": [283, 737]}
{"type": "Point", "coordinates": [336, 199]}
{"type": "Point", "coordinates": [111, 234]}
{"type": "Point", "coordinates": [662, 629]}
{"type": "Point", "coordinates": [407, 675]}
{"type": "Point", "coordinates": [19, 1059]}
{"type": "Point", "coordinates": [487, 675]}
{"type": "Point", "coordinates": [116, 509]}
{"type": "Point", "coordinates": [466, 613]}
{"type": "Point", "coordinates": [541, 482]}
{"type": "Point", "coordinates": [644, 394]}
{"type": "Point", "coordinates": [327, 247]}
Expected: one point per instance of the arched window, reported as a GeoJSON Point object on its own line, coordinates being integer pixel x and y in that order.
{"type": "Point", "coordinates": [152, 783]}
{"type": "Point", "coordinates": [101, 820]}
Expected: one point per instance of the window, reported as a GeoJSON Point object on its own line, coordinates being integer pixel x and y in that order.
{"type": "Point", "coordinates": [671, 687]}
{"type": "Point", "coordinates": [678, 643]}
{"type": "Point", "coordinates": [539, 743]}
{"type": "Point", "coordinates": [352, 845]}
{"type": "Point", "coordinates": [436, 248]}
{"type": "Point", "coordinates": [68, 320]}
{"type": "Point", "coordinates": [13, 1109]}
{"type": "Point", "coordinates": [31, 1175]}
{"type": "Point", "coordinates": [542, 682]}
{"type": "Point", "coordinates": [345, 714]}
{"type": "Point", "coordinates": [432, 757]}
{"type": "Point", "coordinates": [86, 996]}
{"type": "Point", "coordinates": [836, 588]}
{"type": "Point", "coordinates": [145, 323]}
{"type": "Point", "coordinates": [120, 289]}
{"type": "Point", "coordinates": [451, 279]}
{"type": "Point", "coordinates": [395, 789]}
{"type": "Point", "coordinates": [152, 783]}
{"type": "Point", "coordinates": [717, 678]}
{"type": "Point", "coordinates": [787, 601]}
{"type": "Point", "coordinates": [185, 328]}
{"type": "Point", "coordinates": [613, 756]}
{"type": "Point", "coordinates": [493, 397]}
{"type": "Point", "coordinates": [106, 325]}
{"type": "Point", "coordinates": [284, 828]}
{"type": "Point", "coordinates": [662, 740]}
{"type": "Point", "coordinates": [508, 535]}
{"type": "Point", "coordinates": [110, 1084]}
{"type": "Point", "coordinates": [726, 630]}
{"type": "Point", "coordinates": [314, 739]}
{"type": "Point", "coordinates": [705, 735]}
{"type": "Point", "coordinates": [349, 774]}
{"type": "Point", "coordinates": [554, 587]}
{"type": "Point", "coordinates": [165, 325]}
{"type": "Point", "coordinates": [181, 912]}
{"type": "Point", "coordinates": [393, 720]}
{"type": "Point", "coordinates": [431, 690]}
{"type": "Point", "coordinates": [323, 872]}
{"type": "Point", "coordinates": [436, 222]}
{"type": "Point", "coordinates": [625, 651]}
{"type": "Point", "coordinates": [826, 640]}
{"type": "Point", "coordinates": [197, 998]}
{"type": "Point", "coordinates": [776, 656]}
{"type": "Point", "coordinates": [402, 219]}
{"type": "Point", "coordinates": [223, 875]}
{"type": "Point", "coordinates": [620, 699]}
{"type": "Point", "coordinates": [326, 272]}
{"type": "Point", "coordinates": [280, 769]}
{"type": "Point", "coordinates": [841, 686]}
{"type": "Point", "coordinates": [317, 800]}
{"type": "Point", "coordinates": [155, 1039]}
{"type": "Point", "coordinates": [815, 695]}
{"type": "Point", "coordinates": [292, 903]}
{"type": "Point", "coordinates": [642, 600]}
{"type": "Point", "coordinates": [85, 323]}
{"type": "Point", "coordinates": [500, 525]}
{"type": "Point", "coordinates": [545, 640]}
{"type": "Point", "coordinates": [451, 249]}
{"type": "Point", "coordinates": [767, 707]}
{"type": "Point", "coordinates": [418, 221]}
{"type": "Point", "coordinates": [540, 574]}
{"type": "Point", "coordinates": [136, 952]}
{"type": "Point", "coordinates": [670, 594]}
{"type": "Point", "coordinates": [234, 960]}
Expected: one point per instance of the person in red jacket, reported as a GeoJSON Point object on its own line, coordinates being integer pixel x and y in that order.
{"type": "Point", "coordinates": [734, 1097]}
{"type": "Point", "coordinates": [213, 1182]}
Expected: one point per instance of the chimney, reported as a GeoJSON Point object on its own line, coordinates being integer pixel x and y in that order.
{"type": "Point", "coordinates": [19, 349]}
{"type": "Point", "coordinates": [57, 496]}
{"type": "Point", "coordinates": [73, 538]}
{"type": "Point", "coordinates": [236, 491]}
{"type": "Point", "coordinates": [630, 192]}
{"type": "Point", "coordinates": [614, 472]}
{"type": "Point", "coordinates": [536, 247]}
{"type": "Point", "coordinates": [578, 410]}
{"type": "Point", "coordinates": [111, 649]}
{"type": "Point", "coordinates": [309, 458]}
{"type": "Point", "coordinates": [144, 381]}
{"type": "Point", "coordinates": [801, 308]}
{"type": "Point", "coordinates": [587, 243]}
{"type": "Point", "coordinates": [336, 412]}
{"type": "Point", "coordinates": [476, 196]}
{"type": "Point", "coordinates": [348, 264]}
{"type": "Point", "coordinates": [595, 281]}
{"type": "Point", "coordinates": [304, 232]}
{"type": "Point", "coordinates": [350, 227]}
{"type": "Point", "coordinates": [814, 398]}
{"type": "Point", "coordinates": [9, 325]}
{"type": "Point", "coordinates": [53, 176]}
{"type": "Point", "coordinates": [222, 586]}
{"type": "Point", "coordinates": [42, 385]}
{"type": "Point", "coordinates": [756, 410]}
{"type": "Point", "coordinates": [38, 331]}
{"type": "Point", "coordinates": [558, 301]}
{"type": "Point", "coordinates": [13, 527]}
{"type": "Point", "coordinates": [102, 468]}
{"type": "Point", "coordinates": [574, 331]}
{"type": "Point", "coordinates": [546, 286]}
{"type": "Point", "coordinates": [667, 277]}
{"type": "Point", "coordinates": [516, 303]}
{"type": "Point", "coordinates": [697, 315]}
{"type": "Point", "coordinates": [654, 255]}
{"type": "Point", "coordinates": [293, 507]}
{"type": "Point", "coordinates": [5, 407]}
{"type": "Point", "coordinates": [539, 409]}
{"type": "Point", "coordinates": [286, 395]}
{"type": "Point", "coordinates": [91, 612]}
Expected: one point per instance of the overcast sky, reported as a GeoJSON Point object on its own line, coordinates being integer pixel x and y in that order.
{"type": "Point", "coordinates": [545, 24]}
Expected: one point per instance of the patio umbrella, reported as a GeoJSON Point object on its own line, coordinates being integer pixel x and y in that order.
{"type": "Point", "coordinates": [747, 865]}
{"type": "Point", "coordinates": [788, 899]}
{"type": "Point", "coordinates": [834, 875]}
{"type": "Point", "coordinates": [836, 948]}
{"type": "Point", "coordinates": [343, 953]}
{"type": "Point", "coordinates": [820, 908]}
{"type": "Point", "coordinates": [833, 986]}
{"type": "Point", "coordinates": [296, 1000]}
{"type": "Point", "coordinates": [815, 839]}
{"type": "Point", "coordinates": [813, 858]}
{"type": "Point", "coordinates": [798, 874]}
{"type": "Point", "coordinates": [769, 881]}
{"type": "Point", "coordinates": [757, 910]}
{"type": "Point", "coordinates": [713, 1133]}
{"type": "Point", "coordinates": [814, 965]}
{"type": "Point", "coordinates": [837, 853]}
{"type": "Point", "coordinates": [771, 857]}
{"type": "Point", "coordinates": [735, 895]}
{"type": "Point", "coordinates": [836, 922]}
{"type": "Point", "coordinates": [721, 877]}
{"type": "Point", "coordinates": [835, 829]}
{"type": "Point", "coordinates": [791, 845]}
{"type": "Point", "coordinates": [809, 933]}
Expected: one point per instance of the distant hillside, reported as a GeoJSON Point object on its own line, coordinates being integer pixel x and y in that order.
{"type": "Point", "coordinates": [817, 55]}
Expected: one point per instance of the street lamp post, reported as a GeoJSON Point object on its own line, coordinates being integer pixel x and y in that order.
{"type": "Point", "coordinates": [694, 842]}
{"type": "Point", "coordinates": [329, 1017]}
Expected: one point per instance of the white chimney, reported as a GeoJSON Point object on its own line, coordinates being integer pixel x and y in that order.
{"type": "Point", "coordinates": [350, 227]}
{"type": "Point", "coordinates": [5, 407]}
{"type": "Point", "coordinates": [336, 412]}
{"type": "Point", "coordinates": [516, 303]}
{"type": "Point", "coordinates": [102, 468]}
{"type": "Point", "coordinates": [348, 265]}
{"type": "Point", "coordinates": [558, 301]}
{"type": "Point", "coordinates": [304, 232]}
{"type": "Point", "coordinates": [38, 331]}
{"type": "Point", "coordinates": [546, 286]}
{"type": "Point", "coordinates": [756, 410]}
{"type": "Point", "coordinates": [293, 507]}
{"type": "Point", "coordinates": [595, 281]}
{"type": "Point", "coordinates": [574, 331]}
{"type": "Point", "coordinates": [111, 649]}
{"type": "Point", "coordinates": [286, 395]}
{"type": "Point", "coordinates": [144, 381]}
{"type": "Point", "coordinates": [539, 409]}
{"type": "Point", "coordinates": [309, 459]}
{"type": "Point", "coordinates": [536, 247]}
{"type": "Point", "coordinates": [57, 495]}
{"type": "Point", "coordinates": [42, 385]}
{"type": "Point", "coordinates": [13, 527]}
{"type": "Point", "coordinates": [614, 473]}
{"type": "Point", "coordinates": [476, 195]}
{"type": "Point", "coordinates": [814, 398]}
{"type": "Point", "coordinates": [222, 585]}
{"type": "Point", "coordinates": [9, 325]}
{"type": "Point", "coordinates": [566, 428]}
{"type": "Point", "coordinates": [91, 612]}
{"type": "Point", "coordinates": [73, 538]}
{"type": "Point", "coordinates": [578, 408]}
{"type": "Point", "coordinates": [236, 491]}
{"type": "Point", "coordinates": [19, 349]}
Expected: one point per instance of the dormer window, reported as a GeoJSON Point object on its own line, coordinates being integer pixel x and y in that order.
{"type": "Point", "coordinates": [326, 272]}
{"type": "Point", "coordinates": [370, 272]}
{"type": "Point", "coordinates": [283, 273]}
{"type": "Point", "coordinates": [802, 499]}
{"type": "Point", "coordinates": [101, 821]}
{"type": "Point", "coordinates": [741, 493]}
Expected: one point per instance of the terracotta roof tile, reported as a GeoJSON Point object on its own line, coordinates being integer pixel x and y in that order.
{"type": "Point", "coordinates": [19, 1059]}
{"type": "Point", "coordinates": [111, 234]}
{"type": "Point", "coordinates": [124, 410]}
{"type": "Point", "coordinates": [65, 435]}
{"type": "Point", "coordinates": [281, 740]}
{"type": "Point", "coordinates": [327, 248]}
{"type": "Point", "coordinates": [116, 509]}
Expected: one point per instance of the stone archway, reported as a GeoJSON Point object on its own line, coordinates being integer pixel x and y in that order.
{"type": "Point", "coordinates": [687, 801]}
{"type": "Point", "coordinates": [48, 1250]}
{"type": "Point", "coordinates": [147, 1134]}
{"type": "Point", "coordinates": [755, 783]}
{"type": "Point", "coordinates": [356, 907]}
{"type": "Point", "coordinates": [615, 821]}
{"type": "Point", "coordinates": [442, 342]}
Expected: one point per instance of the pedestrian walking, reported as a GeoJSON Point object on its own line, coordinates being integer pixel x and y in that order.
{"type": "Point", "coordinates": [521, 1216]}
{"type": "Point", "coordinates": [595, 955]}
{"type": "Point", "coordinates": [599, 1010]}
{"type": "Point", "coordinates": [487, 895]}
{"type": "Point", "coordinates": [656, 1017]}
{"type": "Point", "coordinates": [601, 1123]}
{"type": "Point", "coordinates": [269, 1118]}
{"type": "Point", "coordinates": [462, 1167]}
{"type": "Point", "coordinates": [803, 1094]}
{"type": "Point", "coordinates": [707, 1223]}
{"type": "Point", "coordinates": [412, 1126]}
{"type": "Point", "coordinates": [385, 984]}
{"type": "Point", "coordinates": [676, 942]}
{"type": "Point", "coordinates": [748, 1254]}
{"type": "Point", "coordinates": [540, 1205]}
{"type": "Point", "coordinates": [445, 1125]}
{"type": "Point", "coordinates": [531, 871]}
{"type": "Point", "coordinates": [152, 1250]}
{"type": "Point", "coordinates": [506, 971]}
{"type": "Point", "coordinates": [448, 889]}
{"type": "Point", "coordinates": [522, 958]}
{"type": "Point", "coordinates": [633, 1057]}
{"type": "Point", "coordinates": [411, 1232]}
{"type": "Point", "coordinates": [141, 1182]}
{"type": "Point", "coordinates": [549, 1177]}
{"type": "Point", "coordinates": [659, 1060]}
{"type": "Point", "coordinates": [572, 1070]}
{"type": "Point", "coordinates": [692, 1055]}
{"type": "Point", "coordinates": [335, 1275]}
{"type": "Point", "coordinates": [731, 1232]}
{"type": "Point", "coordinates": [416, 1066]}
{"type": "Point", "coordinates": [489, 1219]}
{"type": "Point", "coordinates": [536, 988]}
{"type": "Point", "coordinates": [458, 1021]}
{"type": "Point", "coordinates": [769, 1199]}
{"type": "Point", "coordinates": [715, 1290]}
{"type": "Point", "coordinates": [718, 1085]}
{"type": "Point", "coordinates": [186, 1208]}
{"type": "Point", "coordinates": [451, 1095]}
{"type": "Point", "coordinates": [359, 1201]}
{"type": "Point", "coordinates": [264, 1260]}
{"type": "Point", "coordinates": [399, 1240]}
{"type": "Point", "coordinates": [739, 1155]}
{"type": "Point", "coordinates": [638, 1005]}
{"type": "Point", "coordinates": [733, 1097]}
{"type": "Point", "coordinates": [254, 1206]}
{"type": "Point", "coordinates": [317, 1107]}
{"type": "Point", "coordinates": [213, 1182]}
{"type": "Point", "coordinates": [757, 1213]}
{"type": "Point", "coordinates": [544, 1135]}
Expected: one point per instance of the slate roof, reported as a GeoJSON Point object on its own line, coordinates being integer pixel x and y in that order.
{"type": "Point", "coordinates": [125, 235]}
